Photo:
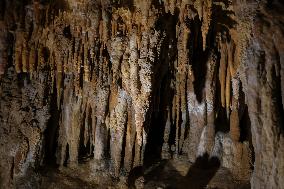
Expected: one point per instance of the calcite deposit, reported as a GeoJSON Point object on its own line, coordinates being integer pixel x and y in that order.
{"type": "Point", "coordinates": [101, 90]}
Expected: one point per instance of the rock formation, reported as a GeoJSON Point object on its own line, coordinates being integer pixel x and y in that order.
{"type": "Point", "coordinates": [117, 84]}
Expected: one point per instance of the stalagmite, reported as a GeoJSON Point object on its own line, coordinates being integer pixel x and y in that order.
{"type": "Point", "coordinates": [74, 134]}
{"type": "Point", "coordinates": [100, 132]}
{"type": "Point", "coordinates": [118, 119]}
{"type": "Point", "coordinates": [25, 62]}
{"type": "Point", "coordinates": [130, 140]}
{"type": "Point", "coordinates": [210, 93]}
{"type": "Point", "coordinates": [181, 107]}
{"type": "Point", "coordinates": [197, 113]}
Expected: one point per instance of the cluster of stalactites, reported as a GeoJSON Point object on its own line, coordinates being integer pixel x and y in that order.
{"type": "Point", "coordinates": [122, 22]}
{"type": "Point", "coordinates": [186, 110]}
{"type": "Point", "coordinates": [103, 64]}
{"type": "Point", "coordinates": [202, 7]}
{"type": "Point", "coordinates": [118, 109]}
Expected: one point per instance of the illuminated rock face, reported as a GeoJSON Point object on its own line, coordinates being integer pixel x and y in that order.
{"type": "Point", "coordinates": [122, 82]}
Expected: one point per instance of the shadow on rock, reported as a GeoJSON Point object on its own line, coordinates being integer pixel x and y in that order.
{"type": "Point", "coordinates": [198, 176]}
{"type": "Point", "coordinates": [200, 173]}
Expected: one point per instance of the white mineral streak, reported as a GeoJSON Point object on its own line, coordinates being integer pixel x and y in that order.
{"type": "Point", "coordinates": [193, 105]}
{"type": "Point", "coordinates": [218, 146]}
{"type": "Point", "coordinates": [201, 150]}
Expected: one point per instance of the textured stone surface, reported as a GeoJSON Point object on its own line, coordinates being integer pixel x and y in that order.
{"type": "Point", "coordinates": [111, 86]}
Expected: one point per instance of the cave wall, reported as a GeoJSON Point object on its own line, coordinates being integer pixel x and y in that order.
{"type": "Point", "coordinates": [125, 82]}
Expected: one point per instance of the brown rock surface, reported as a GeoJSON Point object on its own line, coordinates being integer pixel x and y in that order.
{"type": "Point", "coordinates": [94, 93]}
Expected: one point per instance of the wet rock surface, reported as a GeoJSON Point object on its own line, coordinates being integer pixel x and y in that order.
{"type": "Point", "coordinates": [122, 93]}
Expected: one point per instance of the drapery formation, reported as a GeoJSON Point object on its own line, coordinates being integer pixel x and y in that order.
{"type": "Point", "coordinates": [100, 79]}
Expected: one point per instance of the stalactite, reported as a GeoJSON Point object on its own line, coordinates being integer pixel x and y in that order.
{"type": "Point", "coordinates": [206, 19]}
{"type": "Point", "coordinates": [177, 121]}
{"type": "Point", "coordinates": [87, 125]}
{"type": "Point", "coordinates": [25, 62]}
{"type": "Point", "coordinates": [114, 25]}
{"type": "Point", "coordinates": [17, 61]}
{"type": "Point", "coordinates": [36, 7]}
{"type": "Point", "coordinates": [183, 112]}
{"type": "Point", "coordinates": [231, 55]}
{"type": "Point", "coordinates": [109, 61]}
{"type": "Point", "coordinates": [119, 45]}
{"type": "Point", "coordinates": [234, 116]}
{"type": "Point", "coordinates": [228, 91]}
{"type": "Point", "coordinates": [59, 81]}
{"type": "Point", "coordinates": [105, 24]}
{"type": "Point", "coordinates": [181, 106]}
{"type": "Point", "coordinates": [223, 73]}
{"type": "Point", "coordinates": [170, 6]}
{"type": "Point", "coordinates": [32, 59]}
{"type": "Point", "coordinates": [18, 51]}
{"type": "Point", "coordinates": [133, 62]}
{"type": "Point", "coordinates": [86, 64]}
{"type": "Point", "coordinates": [40, 58]}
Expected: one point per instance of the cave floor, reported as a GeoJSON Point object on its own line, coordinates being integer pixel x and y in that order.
{"type": "Point", "coordinates": [176, 174]}
{"type": "Point", "coordinates": [166, 174]}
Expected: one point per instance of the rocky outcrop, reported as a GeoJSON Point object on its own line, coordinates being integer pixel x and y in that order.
{"type": "Point", "coordinates": [122, 83]}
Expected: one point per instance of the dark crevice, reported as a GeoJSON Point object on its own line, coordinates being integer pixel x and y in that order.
{"type": "Point", "coordinates": [277, 100]}
{"type": "Point", "coordinates": [23, 79]}
{"type": "Point", "coordinates": [163, 93]}
{"type": "Point", "coordinates": [199, 58]}
{"type": "Point", "coordinates": [52, 129]}
{"type": "Point", "coordinates": [67, 32]}
{"type": "Point", "coordinates": [245, 132]}
{"type": "Point", "coordinates": [84, 150]}
{"type": "Point", "coordinates": [45, 53]}
{"type": "Point", "coordinates": [12, 169]}
{"type": "Point", "coordinates": [66, 160]}
{"type": "Point", "coordinates": [2, 9]}
{"type": "Point", "coordinates": [159, 117]}
{"type": "Point", "coordinates": [123, 149]}
{"type": "Point", "coordinates": [133, 151]}
{"type": "Point", "coordinates": [107, 152]}
{"type": "Point", "coordinates": [245, 125]}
